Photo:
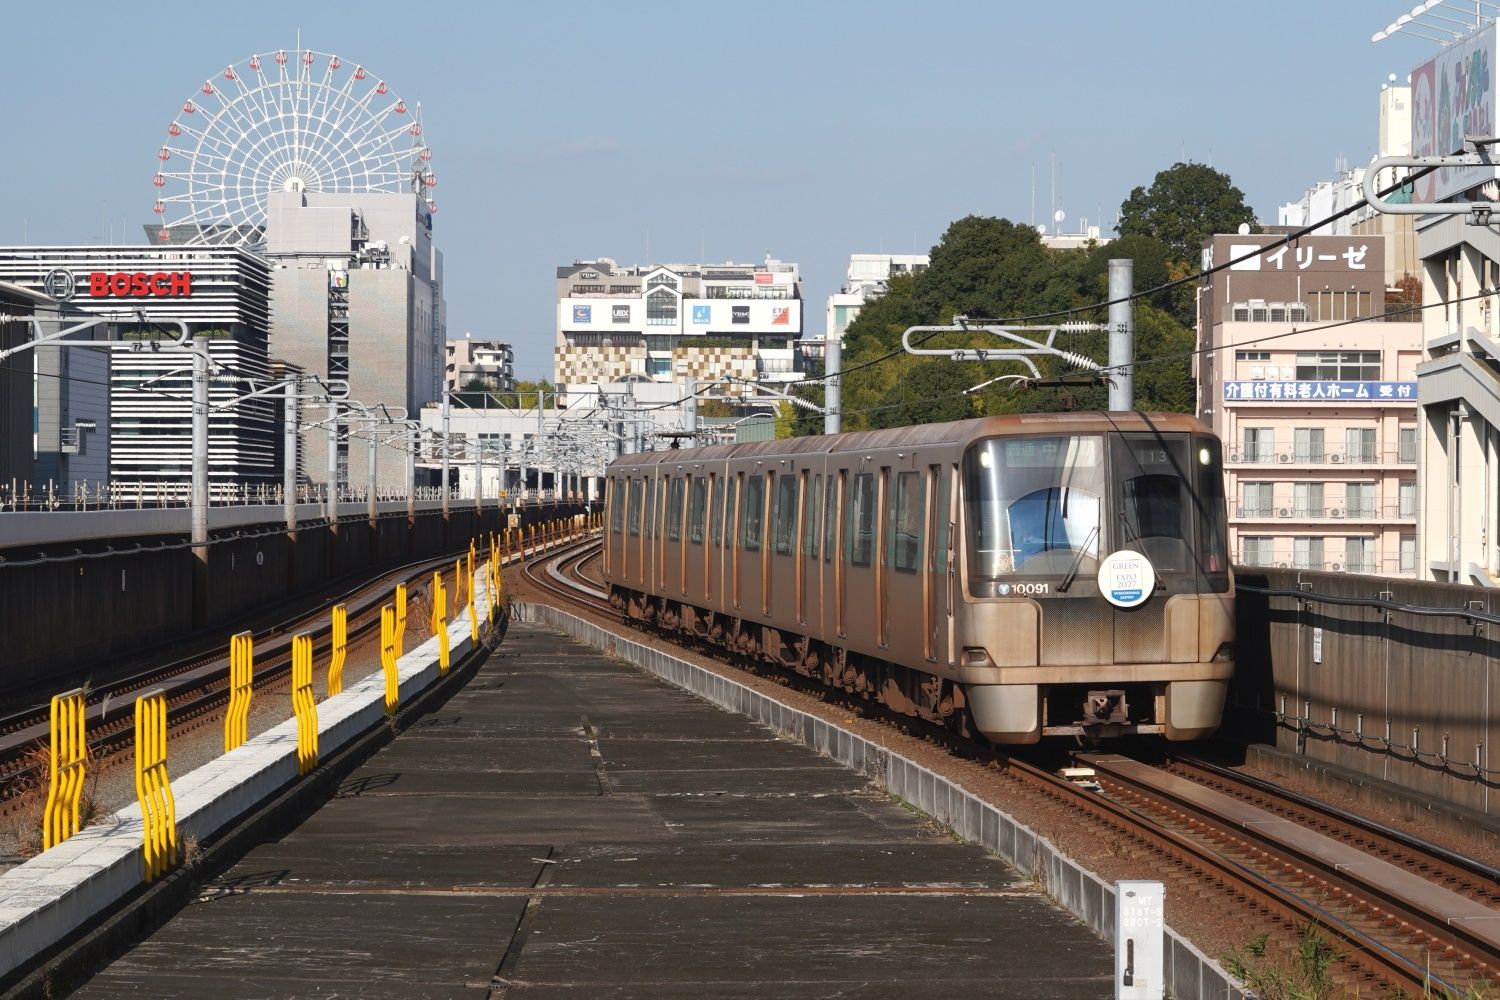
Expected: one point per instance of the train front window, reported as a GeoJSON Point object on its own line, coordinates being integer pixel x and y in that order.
{"type": "Point", "coordinates": [1154, 508]}
{"type": "Point", "coordinates": [1034, 508]}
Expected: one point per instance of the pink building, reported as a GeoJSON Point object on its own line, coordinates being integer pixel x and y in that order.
{"type": "Point", "coordinates": [1314, 394]}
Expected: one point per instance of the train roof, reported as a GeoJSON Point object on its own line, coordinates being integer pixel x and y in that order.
{"type": "Point", "coordinates": [954, 432]}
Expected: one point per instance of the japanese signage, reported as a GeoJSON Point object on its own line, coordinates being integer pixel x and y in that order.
{"type": "Point", "coordinates": [1453, 95]}
{"type": "Point", "coordinates": [741, 314]}
{"type": "Point", "coordinates": [140, 285]}
{"type": "Point", "coordinates": [781, 316]}
{"type": "Point", "coordinates": [763, 277]}
{"type": "Point", "coordinates": [583, 314]}
{"type": "Point", "coordinates": [702, 315]}
{"type": "Point", "coordinates": [1326, 392]}
{"type": "Point", "coordinates": [619, 314]}
{"type": "Point", "coordinates": [1287, 257]}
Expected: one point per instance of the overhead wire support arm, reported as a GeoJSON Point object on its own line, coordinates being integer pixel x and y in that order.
{"type": "Point", "coordinates": [1477, 154]}
{"type": "Point", "coordinates": [1026, 350]}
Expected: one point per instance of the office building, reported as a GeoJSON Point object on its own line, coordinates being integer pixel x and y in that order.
{"type": "Point", "coordinates": [868, 276]}
{"type": "Point", "coordinates": [357, 297]}
{"type": "Point", "coordinates": [487, 361]}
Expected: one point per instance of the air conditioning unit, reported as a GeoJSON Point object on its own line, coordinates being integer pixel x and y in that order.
{"type": "Point", "coordinates": [1336, 567]}
{"type": "Point", "coordinates": [1336, 458]}
{"type": "Point", "coordinates": [1284, 458]}
{"type": "Point", "coordinates": [1284, 512]}
{"type": "Point", "coordinates": [1235, 456]}
{"type": "Point", "coordinates": [1336, 512]}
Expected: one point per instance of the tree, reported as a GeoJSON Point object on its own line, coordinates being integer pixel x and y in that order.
{"type": "Point", "coordinates": [1185, 204]}
{"type": "Point", "coordinates": [786, 419]}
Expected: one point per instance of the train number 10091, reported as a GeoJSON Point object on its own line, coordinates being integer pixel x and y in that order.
{"type": "Point", "coordinates": [1023, 589]}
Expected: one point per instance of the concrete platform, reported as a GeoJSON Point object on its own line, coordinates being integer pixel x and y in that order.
{"type": "Point", "coordinates": [569, 826]}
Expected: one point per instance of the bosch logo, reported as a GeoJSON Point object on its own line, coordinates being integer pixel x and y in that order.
{"type": "Point", "coordinates": [59, 284]}
{"type": "Point", "coordinates": [140, 285]}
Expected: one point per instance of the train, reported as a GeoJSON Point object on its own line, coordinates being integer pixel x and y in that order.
{"type": "Point", "coordinates": [1011, 577]}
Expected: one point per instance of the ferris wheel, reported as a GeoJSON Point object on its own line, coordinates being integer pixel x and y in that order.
{"type": "Point", "coordinates": [283, 121]}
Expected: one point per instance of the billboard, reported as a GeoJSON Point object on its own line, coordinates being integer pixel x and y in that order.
{"type": "Point", "coordinates": [702, 315]}
{"type": "Point", "coordinates": [740, 314]}
{"type": "Point", "coordinates": [1453, 95]}
{"type": "Point", "coordinates": [619, 314]}
{"type": "Point", "coordinates": [583, 314]}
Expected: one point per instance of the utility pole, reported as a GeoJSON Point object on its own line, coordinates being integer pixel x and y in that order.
{"type": "Point", "coordinates": [447, 418]}
{"type": "Point", "coordinates": [1122, 334]}
{"type": "Point", "coordinates": [333, 464]}
{"type": "Point", "coordinates": [200, 481]}
{"type": "Point", "coordinates": [833, 360]}
{"type": "Point", "coordinates": [290, 432]}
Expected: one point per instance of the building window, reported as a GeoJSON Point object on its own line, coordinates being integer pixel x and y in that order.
{"type": "Point", "coordinates": [1307, 500]}
{"type": "Point", "coordinates": [1338, 366]}
{"type": "Point", "coordinates": [1255, 550]}
{"type": "Point", "coordinates": [1256, 500]}
{"type": "Point", "coordinates": [658, 366]}
{"type": "Point", "coordinates": [1359, 444]}
{"type": "Point", "coordinates": [1252, 355]}
{"type": "Point", "coordinates": [1307, 553]}
{"type": "Point", "coordinates": [1407, 436]}
{"type": "Point", "coordinates": [1307, 445]}
{"type": "Point", "coordinates": [1408, 553]}
{"type": "Point", "coordinates": [1359, 555]}
{"type": "Point", "coordinates": [1260, 444]}
{"type": "Point", "coordinates": [661, 308]}
{"type": "Point", "coordinates": [660, 281]}
{"type": "Point", "coordinates": [1330, 305]}
{"type": "Point", "coordinates": [1359, 499]}
{"type": "Point", "coordinates": [1406, 491]}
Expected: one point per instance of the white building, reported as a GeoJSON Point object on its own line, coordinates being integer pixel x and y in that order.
{"type": "Point", "coordinates": [677, 323]}
{"type": "Point", "coordinates": [868, 276]}
{"type": "Point", "coordinates": [488, 361]}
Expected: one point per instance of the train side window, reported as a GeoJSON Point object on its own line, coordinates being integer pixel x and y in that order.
{"type": "Point", "coordinates": [617, 507]}
{"type": "Point", "coordinates": [635, 507]}
{"type": "Point", "coordinates": [731, 499]}
{"type": "Point", "coordinates": [786, 515]}
{"type": "Point", "coordinates": [697, 509]}
{"type": "Point", "coordinates": [650, 517]}
{"type": "Point", "coordinates": [860, 540]}
{"type": "Point", "coordinates": [903, 539]}
{"type": "Point", "coordinates": [752, 510]}
{"type": "Point", "coordinates": [810, 518]}
{"type": "Point", "coordinates": [674, 509]}
{"type": "Point", "coordinates": [717, 528]}
{"type": "Point", "coordinates": [830, 517]}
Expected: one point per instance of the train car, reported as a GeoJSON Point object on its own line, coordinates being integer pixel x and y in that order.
{"type": "Point", "coordinates": [1015, 577]}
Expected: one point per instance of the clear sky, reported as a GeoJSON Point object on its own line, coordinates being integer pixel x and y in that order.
{"type": "Point", "coordinates": [662, 131]}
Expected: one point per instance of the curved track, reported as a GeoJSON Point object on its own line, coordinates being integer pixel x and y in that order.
{"type": "Point", "coordinates": [1408, 915]}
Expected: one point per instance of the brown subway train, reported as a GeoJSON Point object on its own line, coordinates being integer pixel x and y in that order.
{"type": "Point", "coordinates": [1015, 577]}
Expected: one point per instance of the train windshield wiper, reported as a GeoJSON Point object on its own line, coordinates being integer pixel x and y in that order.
{"type": "Point", "coordinates": [1067, 581]}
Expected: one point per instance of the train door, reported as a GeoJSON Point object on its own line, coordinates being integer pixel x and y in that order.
{"type": "Point", "coordinates": [633, 555]}
{"type": "Point", "coordinates": [935, 582]}
{"type": "Point", "coordinates": [861, 526]}
{"type": "Point", "coordinates": [884, 533]}
{"type": "Point", "coordinates": [752, 523]}
{"type": "Point", "coordinates": [711, 588]}
{"type": "Point", "coordinates": [734, 535]}
{"type": "Point", "coordinates": [827, 585]}
{"type": "Point", "coordinates": [841, 556]}
{"type": "Point", "coordinates": [672, 546]}
{"type": "Point", "coordinates": [807, 562]}
{"type": "Point", "coordinates": [781, 563]}
{"type": "Point", "coordinates": [905, 584]}
{"type": "Point", "coordinates": [694, 565]}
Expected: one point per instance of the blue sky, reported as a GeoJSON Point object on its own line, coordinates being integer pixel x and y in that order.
{"type": "Point", "coordinates": [651, 129]}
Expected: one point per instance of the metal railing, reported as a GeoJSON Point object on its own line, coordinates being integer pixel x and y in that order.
{"type": "Point", "coordinates": [101, 496]}
{"type": "Point", "coordinates": [1406, 455]}
{"type": "Point", "coordinates": [1282, 509]}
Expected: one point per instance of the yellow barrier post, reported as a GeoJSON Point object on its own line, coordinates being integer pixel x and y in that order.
{"type": "Point", "coordinates": [473, 617]}
{"type": "Point", "coordinates": [67, 755]}
{"type": "Point", "coordinates": [340, 650]}
{"type": "Point", "coordinates": [304, 705]}
{"type": "Point", "coordinates": [400, 620]}
{"type": "Point", "coordinates": [388, 659]}
{"type": "Point", "coordinates": [152, 788]}
{"type": "Point", "coordinates": [440, 621]}
{"type": "Point", "coordinates": [241, 685]}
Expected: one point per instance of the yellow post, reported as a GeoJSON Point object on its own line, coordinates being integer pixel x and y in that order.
{"type": "Point", "coordinates": [304, 705]}
{"type": "Point", "coordinates": [340, 649]}
{"type": "Point", "coordinates": [400, 620]}
{"type": "Point", "coordinates": [67, 755]}
{"type": "Point", "coordinates": [458, 584]}
{"type": "Point", "coordinates": [241, 683]}
{"type": "Point", "coordinates": [152, 788]}
{"type": "Point", "coordinates": [388, 659]}
{"type": "Point", "coordinates": [473, 616]}
{"type": "Point", "coordinates": [440, 621]}
{"type": "Point", "coordinates": [533, 540]}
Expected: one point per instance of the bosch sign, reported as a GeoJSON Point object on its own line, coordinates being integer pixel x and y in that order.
{"type": "Point", "coordinates": [140, 285]}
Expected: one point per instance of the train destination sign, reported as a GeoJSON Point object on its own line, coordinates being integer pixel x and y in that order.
{"type": "Point", "coordinates": [1260, 391]}
{"type": "Point", "coordinates": [1126, 579]}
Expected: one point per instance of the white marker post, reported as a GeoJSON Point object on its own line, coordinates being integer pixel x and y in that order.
{"type": "Point", "coordinates": [1139, 931]}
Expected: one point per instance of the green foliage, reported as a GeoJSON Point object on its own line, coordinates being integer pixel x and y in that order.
{"type": "Point", "coordinates": [1185, 204]}
{"type": "Point", "coordinates": [989, 268]}
{"type": "Point", "coordinates": [1302, 973]}
{"type": "Point", "coordinates": [786, 419]}
{"type": "Point", "coordinates": [714, 408]}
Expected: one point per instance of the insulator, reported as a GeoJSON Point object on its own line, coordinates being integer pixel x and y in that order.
{"type": "Point", "coordinates": [1079, 360]}
{"type": "Point", "coordinates": [1079, 326]}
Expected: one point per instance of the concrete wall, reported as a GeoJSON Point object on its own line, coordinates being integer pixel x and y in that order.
{"type": "Point", "coordinates": [1330, 683]}
{"type": "Point", "coordinates": [62, 619]}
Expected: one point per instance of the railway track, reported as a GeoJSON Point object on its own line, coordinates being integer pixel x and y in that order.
{"type": "Point", "coordinates": [196, 685]}
{"type": "Point", "coordinates": [1409, 917]}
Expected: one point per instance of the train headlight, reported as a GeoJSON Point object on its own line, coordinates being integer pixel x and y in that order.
{"type": "Point", "coordinates": [1205, 456]}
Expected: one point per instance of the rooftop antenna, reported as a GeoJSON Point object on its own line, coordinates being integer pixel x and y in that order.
{"type": "Point", "coordinates": [1033, 194]}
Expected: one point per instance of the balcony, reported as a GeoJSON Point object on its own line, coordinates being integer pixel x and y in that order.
{"type": "Point", "coordinates": [1374, 565]}
{"type": "Point", "coordinates": [1376, 457]}
{"type": "Point", "coordinates": [1287, 510]}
